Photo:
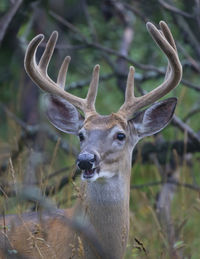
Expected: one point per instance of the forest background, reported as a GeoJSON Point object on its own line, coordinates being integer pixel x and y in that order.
{"type": "Point", "coordinates": [165, 185]}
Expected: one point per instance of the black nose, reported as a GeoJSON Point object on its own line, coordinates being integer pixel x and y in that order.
{"type": "Point", "coordinates": [85, 160]}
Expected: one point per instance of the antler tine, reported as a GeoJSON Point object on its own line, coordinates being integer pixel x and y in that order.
{"type": "Point", "coordinates": [167, 33]}
{"type": "Point", "coordinates": [93, 88]}
{"type": "Point", "coordinates": [129, 94]}
{"type": "Point", "coordinates": [61, 80]}
{"type": "Point", "coordinates": [165, 41]}
{"type": "Point", "coordinates": [38, 73]}
{"type": "Point", "coordinates": [48, 52]}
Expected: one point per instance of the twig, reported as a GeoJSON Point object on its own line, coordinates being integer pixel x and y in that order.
{"type": "Point", "coordinates": [63, 182]}
{"type": "Point", "coordinates": [197, 12]}
{"type": "Point", "coordinates": [66, 47]}
{"type": "Point", "coordinates": [189, 35]}
{"type": "Point", "coordinates": [89, 20]}
{"type": "Point", "coordinates": [192, 61]}
{"type": "Point", "coordinates": [127, 20]}
{"type": "Point", "coordinates": [57, 172]}
{"type": "Point", "coordinates": [179, 184]}
{"type": "Point", "coordinates": [7, 18]}
{"type": "Point", "coordinates": [130, 60]}
{"type": "Point", "coordinates": [190, 85]}
{"type": "Point", "coordinates": [13, 116]}
{"type": "Point", "coordinates": [125, 57]}
{"type": "Point", "coordinates": [164, 150]}
{"type": "Point", "coordinates": [32, 130]}
{"type": "Point", "coordinates": [163, 203]}
{"type": "Point", "coordinates": [69, 25]}
{"type": "Point", "coordinates": [185, 128]}
{"type": "Point", "coordinates": [83, 83]}
{"type": "Point", "coordinates": [105, 49]}
{"type": "Point", "coordinates": [175, 9]}
{"type": "Point", "coordinates": [136, 12]}
{"type": "Point", "coordinates": [191, 113]}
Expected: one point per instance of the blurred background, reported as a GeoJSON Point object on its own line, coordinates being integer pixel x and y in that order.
{"type": "Point", "coordinates": [34, 156]}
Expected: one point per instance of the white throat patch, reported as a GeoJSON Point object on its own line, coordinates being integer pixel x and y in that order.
{"type": "Point", "coordinates": [98, 176]}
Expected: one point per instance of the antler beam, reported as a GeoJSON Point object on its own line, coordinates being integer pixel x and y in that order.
{"type": "Point", "coordinates": [165, 41]}
{"type": "Point", "coordinates": [38, 73]}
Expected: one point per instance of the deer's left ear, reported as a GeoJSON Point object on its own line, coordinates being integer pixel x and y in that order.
{"type": "Point", "coordinates": [155, 118]}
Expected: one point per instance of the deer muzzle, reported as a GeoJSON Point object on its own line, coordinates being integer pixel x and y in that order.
{"type": "Point", "coordinates": [87, 163]}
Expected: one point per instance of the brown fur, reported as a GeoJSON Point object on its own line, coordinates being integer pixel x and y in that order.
{"type": "Point", "coordinates": [104, 209]}
{"type": "Point", "coordinates": [105, 122]}
{"type": "Point", "coordinates": [98, 226]}
{"type": "Point", "coordinates": [32, 235]}
{"type": "Point", "coordinates": [49, 236]}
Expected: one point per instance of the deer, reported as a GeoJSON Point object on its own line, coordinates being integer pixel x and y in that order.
{"type": "Point", "coordinates": [106, 146]}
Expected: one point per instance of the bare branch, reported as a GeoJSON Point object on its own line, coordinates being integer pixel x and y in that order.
{"type": "Point", "coordinates": [179, 184]}
{"type": "Point", "coordinates": [82, 83]}
{"type": "Point", "coordinates": [190, 85]}
{"type": "Point", "coordinates": [164, 150]}
{"type": "Point", "coordinates": [192, 61]}
{"type": "Point", "coordinates": [7, 18]}
{"type": "Point", "coordinates": [105, 49]}
{"type": "Point", "coordinates": [68, 25]}
{"type": "Point", "coordinates": [175, 10]}
{"type": "Point", "coordinates": [191, 113]}
{"type": "Point", "coordinates": [89, 20]}
{"type": "Point", "coordinates": [189, 34]}
{"type": "Point", "coordinates": [197, 12]}
{"type": "Point", "coordinates": [185, 128]}
{"type": "Point", "coordinates": [120, 55]}
{"type": "Point", "coordinates": [136, 11]}
{"type": "Point", "coordinates": [32, 130]}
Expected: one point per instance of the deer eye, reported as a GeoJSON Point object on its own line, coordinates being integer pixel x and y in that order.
{"type": "Point", "coordinates": [121, 136]}
{"type": "Point", "coordinates": [81, 136]}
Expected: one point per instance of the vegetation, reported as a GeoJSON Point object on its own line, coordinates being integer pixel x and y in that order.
{"type": "Point", "coordinates": [165, 184]}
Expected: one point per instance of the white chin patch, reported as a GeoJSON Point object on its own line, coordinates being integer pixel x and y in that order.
{"type": "Point", "coordinates": [97, 176]}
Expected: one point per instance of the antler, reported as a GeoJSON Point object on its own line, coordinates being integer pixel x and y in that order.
{"type": "Point", "coordinates": [38, 73]}
{"type": "Point", "coordinates": [165, 41]}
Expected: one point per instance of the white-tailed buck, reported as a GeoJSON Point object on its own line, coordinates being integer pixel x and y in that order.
{"type": "Point", "coordinates": [100, 220]}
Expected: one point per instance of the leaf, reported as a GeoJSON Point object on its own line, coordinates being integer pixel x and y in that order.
{"type": "Point", "coordinates": [179, 244]}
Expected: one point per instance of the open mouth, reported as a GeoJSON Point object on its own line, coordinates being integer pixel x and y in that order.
{"type": "Point", "coordinates": [87, 174]}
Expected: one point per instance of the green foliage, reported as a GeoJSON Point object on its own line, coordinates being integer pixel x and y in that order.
{"type": "Point", "coordinates": [3, 6]}
{"type": "Point", "coordinates": [105, 27]}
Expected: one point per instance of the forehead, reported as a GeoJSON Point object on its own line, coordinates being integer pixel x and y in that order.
{"type": "Point", "coordinates": [105, 122]}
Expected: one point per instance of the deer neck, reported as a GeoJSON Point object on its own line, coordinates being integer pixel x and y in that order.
{"type": "Point", "coordinates": [106, 211]}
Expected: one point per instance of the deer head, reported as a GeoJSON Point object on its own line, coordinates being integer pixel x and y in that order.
{"type": "Point", "coordinates": [106, 141]}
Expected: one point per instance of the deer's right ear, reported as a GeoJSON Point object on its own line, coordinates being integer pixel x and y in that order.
{"type": "Point", "coordinates": [62, 114]}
